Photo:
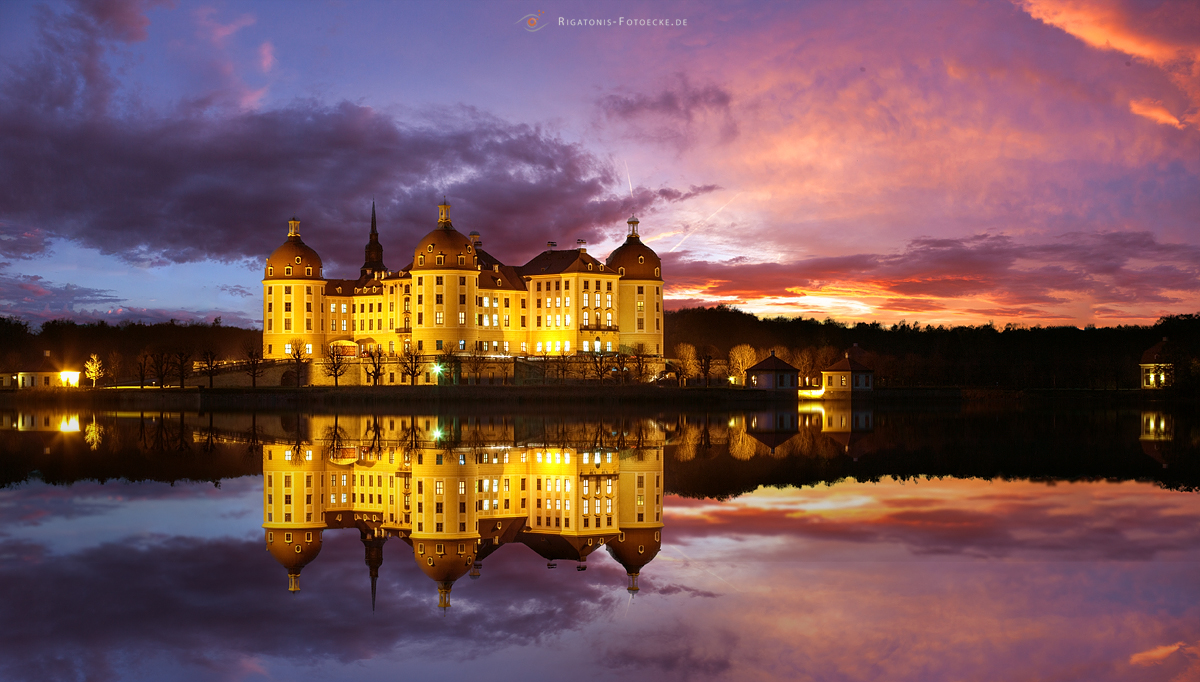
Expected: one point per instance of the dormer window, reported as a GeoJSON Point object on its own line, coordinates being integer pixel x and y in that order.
{"type": "Point", "coordinates": [308, 271]}
{"type": "Point", "coordinates": [462, 260]}
{"type": "Point", "coordinates": [429, 248]}
{"type": "Point", "coordinates": [441, 260]}
{"type": "Point", "coordinates": [589, 267]}
{"type": "Point", "coordinates": [656, 272]}
{"type": "Point", "coordinates": [297, 260]}
{"type": "Point", "coordinates": [621, 271]}
{"type": "Point", "coordinates": [270, 272]}
{"type": "Point", "coordinates": [641, 259]}
{"type": "Point", "coordinates": [421, 260]}
{"type": "Point", "coordinates": [287, 270]}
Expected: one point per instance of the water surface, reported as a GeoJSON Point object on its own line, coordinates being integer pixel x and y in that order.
{"type": "Point", "coordinates": [830, 542]}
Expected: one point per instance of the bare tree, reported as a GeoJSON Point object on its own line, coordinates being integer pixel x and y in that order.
{"type": "Point", "coordinates": [142, 367]}
{"type": "Point", "coordinates": [298, 352]}
{"type": "Point", "coordinates": [112, 366]}
{"type": "Point", "coordinates": [705, 357]}
{"type": "Point", "coordinates": [805, 361]}
{"type": "Point", "coordinates": [475, 361]}
{"type": "Point", "coordinates": [374, 364]}
{"type": "Point", "coordinates": [597, 364]}
{"type": "Point", "coordinates": [411, 364]}
{"type": "Point", "coordinates": [93, 369]}
{"type": "Point", "coordinates": [447, 361]}
{"type": "Point", "coordinates": [741, 358]}
{"type": "Point", "coordinates": [686, 363]}
{"type": "Point", "coordinates": [160, 366]}
{"type": "Point", "coordinates": [209, 364]}
{"type": "Point", "coordinates": [181, 362]}
{"type": "Point", "coordinates": [335, 364]}
{"type": "Point", "coordinates": [253, 366]}
{"type": "Point", "coordinates": [562, 366]}
{"type": "Point", "coordinates": [638, 363]}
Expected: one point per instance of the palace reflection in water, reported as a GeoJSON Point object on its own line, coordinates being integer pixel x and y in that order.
{"type": "Point", "coordinates": [457, 490]}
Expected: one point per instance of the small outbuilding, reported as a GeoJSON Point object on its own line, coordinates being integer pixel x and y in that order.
{"type": "Point", "coordinates": [773, 374]}
{"type": "Point", "coordinates": [48, 374]}
{"type": "Point", "coordinates": [1157, 369]}
{"type": "Point", "coordinates": [848, 376]}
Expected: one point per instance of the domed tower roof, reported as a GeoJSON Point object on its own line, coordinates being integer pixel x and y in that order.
{"type": "Point", "coordinates": [639, 548]}
{"type": "Point", "coordinates": [637, 260]}
{"type": "Point", "coordinates": [373, 258]}
{"type": "Point", "coordinates": [293, 259]}
{"type": "Point", "coordinates": [296, 553]}
{"type": "Point", "coordinates": [443, 569]}
{"type": "Point", "coordinates": [455, 248]}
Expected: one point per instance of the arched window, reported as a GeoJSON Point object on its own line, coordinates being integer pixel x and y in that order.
{"type": "Point", "coordinates": [287, 270]}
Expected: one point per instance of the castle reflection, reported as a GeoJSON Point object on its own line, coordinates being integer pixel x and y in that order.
{"type": "Point", "coordinates": [456, 490]}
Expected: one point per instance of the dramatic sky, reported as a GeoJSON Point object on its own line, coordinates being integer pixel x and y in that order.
{"type": "Point", "coordinates": [949, 162]}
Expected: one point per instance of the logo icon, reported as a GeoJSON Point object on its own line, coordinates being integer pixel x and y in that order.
{"type": "Point", "coordinates": [531, 22]}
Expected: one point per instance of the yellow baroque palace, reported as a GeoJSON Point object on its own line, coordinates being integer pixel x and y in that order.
{"type": "Point", "coordinates": [454, 297]}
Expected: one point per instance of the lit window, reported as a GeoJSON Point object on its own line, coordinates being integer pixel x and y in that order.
{"type": "Point", "coordinates": [438, 487]}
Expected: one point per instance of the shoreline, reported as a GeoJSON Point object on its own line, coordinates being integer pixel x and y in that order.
{"type": "Point", "coordinates": [556, 397]}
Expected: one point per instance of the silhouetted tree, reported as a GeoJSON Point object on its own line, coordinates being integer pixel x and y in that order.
{"type": "Point", "coordinates": [374, 364]}
{"type": "Point", "coordinates": [210, 364]}
{"type": "Point", "coordinates": [335, 364]}
{"type": "Point", "coordinates": [411, 364]}
{"type": "Point", "coordinates": [298, 352]}
{"type": "Point", "coordinates": [253, 362]}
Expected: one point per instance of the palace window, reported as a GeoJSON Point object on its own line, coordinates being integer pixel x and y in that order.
{"type": "Point", "coordinates": [438, 317]}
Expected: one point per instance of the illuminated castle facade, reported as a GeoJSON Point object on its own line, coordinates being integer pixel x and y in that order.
{"type": "Point", "coordinates": [456, 297]}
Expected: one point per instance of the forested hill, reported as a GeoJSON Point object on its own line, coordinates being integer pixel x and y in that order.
{"type": "Point", "coordinates": [912, 355]}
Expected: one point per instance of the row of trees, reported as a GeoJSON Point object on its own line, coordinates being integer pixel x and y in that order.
{"type": "Point", "coordinates": [909, 354]}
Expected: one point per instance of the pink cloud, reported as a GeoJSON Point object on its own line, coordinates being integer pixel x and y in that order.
{"type": "Point", "coordinates": [215, 31]}
{"type": "Point", "coordinates": [266, 56]}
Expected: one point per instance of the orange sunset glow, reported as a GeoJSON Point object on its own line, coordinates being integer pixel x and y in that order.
{"type": "Point", "coordinates": [1017, 161]}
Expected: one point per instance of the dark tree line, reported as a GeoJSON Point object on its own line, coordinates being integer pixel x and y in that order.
{"type": "Point", "coordinates": [905, 354]}
{"type": "Point", "coordinates": [133, 352]}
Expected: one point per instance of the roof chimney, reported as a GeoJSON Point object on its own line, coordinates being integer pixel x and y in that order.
{"type": "Point", "coordinates": [551, 245]}
{"type": "Point", "coordinates": [582, 244]}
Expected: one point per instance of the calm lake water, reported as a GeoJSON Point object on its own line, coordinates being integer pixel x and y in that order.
{"type": "Point", "coordinates": [827, 542]}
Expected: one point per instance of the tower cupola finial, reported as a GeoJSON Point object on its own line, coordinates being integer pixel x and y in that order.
{"type": "Point", "coordinates": [293, 227]}
{"type": "Point", "coordinates": [633, 226]}
{"type": "Point", "coordinates": [444, 213]}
